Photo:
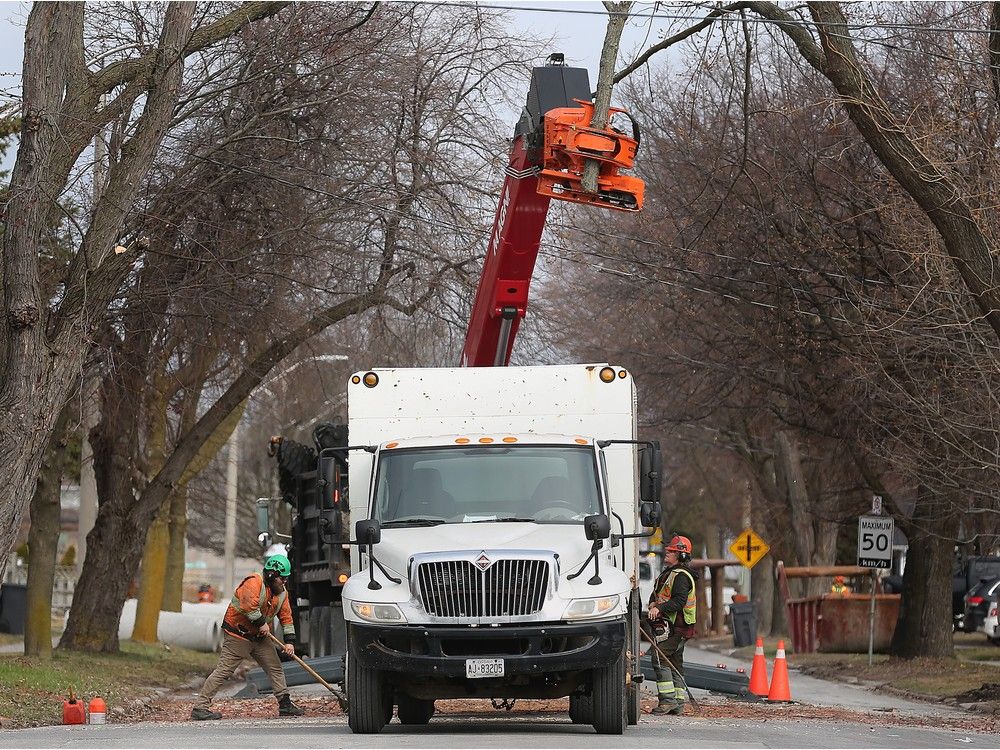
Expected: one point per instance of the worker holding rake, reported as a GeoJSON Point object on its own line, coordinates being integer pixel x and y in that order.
{"type": "Point", "coordinates": [673, 595]}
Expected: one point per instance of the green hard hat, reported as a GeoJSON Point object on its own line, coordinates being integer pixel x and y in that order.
{"type": "Point", "coordinates": [279, 564]}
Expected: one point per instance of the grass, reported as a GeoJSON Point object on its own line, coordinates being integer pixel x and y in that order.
{"type": "Point", "coordinates": [32, 690]}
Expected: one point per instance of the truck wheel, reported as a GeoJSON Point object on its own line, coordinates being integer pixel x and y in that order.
{"type": "Point", "coordinates": [634, 707]}
{"type": "Point", "coordinates": [414, 710]}
{"type": "Point", "coordinates": [633, 692]}
{"type": "Point", "coordinates": [580, 709]}
{"type": "Point", "coordinates": [367, 696]}
{"type": "Point", "coordinates": [608, 697]}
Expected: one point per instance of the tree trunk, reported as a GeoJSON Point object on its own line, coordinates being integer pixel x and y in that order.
{"type": "Point", "coordinates": [43, 540]}
{"type": "Point", "coordinates": [618, 15]}
{"type": "Point", "coordinates": [152, 580]}
{"type": "Point", "coordinates": [924, 627]}
{"type": "Point", "coordinates": [173, 586]}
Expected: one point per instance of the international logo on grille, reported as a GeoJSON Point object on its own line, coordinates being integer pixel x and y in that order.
{"type": "Point", "coordinates": [483, 562]}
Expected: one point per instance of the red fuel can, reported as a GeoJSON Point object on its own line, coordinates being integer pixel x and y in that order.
{"type": "Point", "coordinates": [73, 710]}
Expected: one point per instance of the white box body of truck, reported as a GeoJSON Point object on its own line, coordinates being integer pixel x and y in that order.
{"type": "Point", "coordinates": [480, 480]}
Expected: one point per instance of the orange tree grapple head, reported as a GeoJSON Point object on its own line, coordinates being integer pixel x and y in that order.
{"type": "Point", "coordinates": [570, 141]}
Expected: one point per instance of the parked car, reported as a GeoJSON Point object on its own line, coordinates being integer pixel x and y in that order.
{"type": "Point", "coordinates": [966, 574]}
{"type": "Point", "coordinates": [979, 602]}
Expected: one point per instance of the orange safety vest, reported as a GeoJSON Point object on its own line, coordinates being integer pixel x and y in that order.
{"type": "Point", "coordinates": [252, 603]}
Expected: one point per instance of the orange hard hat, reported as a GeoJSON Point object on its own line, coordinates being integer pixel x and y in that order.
{"type": "Point", "coordinates": [679, 544]}
{"type": "Point", "coordinates": [839, 579]}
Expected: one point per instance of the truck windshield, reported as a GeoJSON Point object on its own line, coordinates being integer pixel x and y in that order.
{"type": "Point", "coordinates": [470, 484]}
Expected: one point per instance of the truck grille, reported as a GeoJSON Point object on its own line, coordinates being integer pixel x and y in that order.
{"type": "Point", "coordinates": [457, 588]}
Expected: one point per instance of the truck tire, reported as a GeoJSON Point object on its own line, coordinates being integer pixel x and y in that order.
{"type": "Point", "coordinates": [633, 691]}
{"type": "Point", "coordinates": [580, 709]}
{"type": "Point", "coordinates": [608, 697]}
{"type": "Point", "coordinates": [414, 710]}
{"type": "Point", "coordinates": [368, 698]}
{"type": "Point", "coordinates": [634, 707]}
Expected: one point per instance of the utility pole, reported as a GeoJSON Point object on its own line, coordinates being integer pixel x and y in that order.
{"type": "Point", "coordinates": [232, 476]}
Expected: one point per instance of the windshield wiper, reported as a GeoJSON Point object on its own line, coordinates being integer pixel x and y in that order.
{"type": "Point", "coordinates": [413, 522]}
{"type": "Point", "coordinates": [510, 519]}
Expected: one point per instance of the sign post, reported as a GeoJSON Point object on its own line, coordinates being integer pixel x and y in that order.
{"type": "Point", "coordinates": [875, 534]}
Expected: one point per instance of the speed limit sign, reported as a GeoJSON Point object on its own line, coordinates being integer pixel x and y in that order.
{"type": "Point", "coordinates": [875, 542]}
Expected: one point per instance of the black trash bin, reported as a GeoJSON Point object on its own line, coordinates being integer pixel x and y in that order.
{"type": "Point", "coordinates": [743, 623]}
{"type": "Point", "coordinates": [13, 607]}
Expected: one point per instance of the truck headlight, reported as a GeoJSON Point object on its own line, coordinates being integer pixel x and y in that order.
{"type": "Point", "coordinates": [377, 612]}
{"type": "Point", "coordinates": [590, 607]}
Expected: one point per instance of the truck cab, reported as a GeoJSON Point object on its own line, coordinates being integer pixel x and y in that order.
{"type": "Point", "coordinates": [497, 555]}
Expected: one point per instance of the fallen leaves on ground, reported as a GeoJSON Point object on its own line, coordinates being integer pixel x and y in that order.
{"type": "Point", "coordinates": [715, 708]}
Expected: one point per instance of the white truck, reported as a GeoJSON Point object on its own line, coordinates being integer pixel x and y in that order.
{"type": "Point", "coordinates": [495, 556]}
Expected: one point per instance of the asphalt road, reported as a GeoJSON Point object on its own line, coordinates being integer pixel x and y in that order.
{"type": "Point", "coordinates": [460, 732]}
{"type": "Point", "coordinates": [498, 730]}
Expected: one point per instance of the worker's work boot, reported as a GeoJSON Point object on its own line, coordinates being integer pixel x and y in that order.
{"type": "Point", "coordinates": [677, 709]}
{"type": "Point", "coordinates": [665, 706]}
{"type": "Point", "coordinates": [204, 714]}
{"type": "Point", "coordinates": [287, 708]}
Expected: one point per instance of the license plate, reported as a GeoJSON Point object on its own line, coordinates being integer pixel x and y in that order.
{"type": "Point", "coordinates": [476, 668]}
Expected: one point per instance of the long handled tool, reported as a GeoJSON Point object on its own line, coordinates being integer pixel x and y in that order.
{"type": "Point", "coordinates": [341, 698]}
{"type": "Point", "coordinates": [665, 658]}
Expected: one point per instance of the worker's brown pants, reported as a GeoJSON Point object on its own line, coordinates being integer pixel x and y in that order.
{"type": "Point", "coordinates": [234, 651]}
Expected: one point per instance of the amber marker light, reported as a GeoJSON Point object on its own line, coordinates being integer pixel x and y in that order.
{"type": "Point", "coordinates": [622, 374]}
{"type": "Point", "coordinates": [356, 379]}
{"type": "Point", "coordinates": [342, 578]}
{"type": "Point", "coordinates": [510, 439]}
{"type": "Point", "coordinates": [581, 441]}
{"type": "Point", "coordinates": [391, 445]}
{"type": "Point", "coordinates": [607, 374]}
{"type": "Point", "coordinates": [461, 441]}
{"type": "Point", "coordinates": [370, 379]}
{"type": "Point", "coordinates": [485, 440]}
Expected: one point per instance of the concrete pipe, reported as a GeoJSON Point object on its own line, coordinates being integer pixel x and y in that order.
{"type": "Point", "coordinates": [187, 630]}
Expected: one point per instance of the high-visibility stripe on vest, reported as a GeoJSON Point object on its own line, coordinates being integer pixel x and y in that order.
{"type": "Point", "coordinates": [690, 606]}
{"type": "Point", "coordinates": [256, 614]}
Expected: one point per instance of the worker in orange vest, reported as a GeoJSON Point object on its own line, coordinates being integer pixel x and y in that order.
{"type": "Point", "coordinates": [257, 600]}
{"type": "Point", "coordinates": [839, 587]}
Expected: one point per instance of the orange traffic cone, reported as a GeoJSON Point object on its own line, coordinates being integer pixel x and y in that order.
{"type": "Point", "coordinates": [780, 692]}
{"type": "Point", "coordinates": [758, 672]}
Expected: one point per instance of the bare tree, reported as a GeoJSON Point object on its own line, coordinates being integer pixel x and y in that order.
{"type": "Point", "coordinates": [43, 341]}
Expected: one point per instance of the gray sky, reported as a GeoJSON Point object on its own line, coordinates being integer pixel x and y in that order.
{"type": "Point", "coordinates": [579, 35]}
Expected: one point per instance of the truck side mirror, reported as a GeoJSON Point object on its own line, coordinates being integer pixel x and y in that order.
{"type": "Point", "coordinates": [370, 532]}
{"type": "Point", "coordinates": [650, 473]}
{"type": "Point", "coordinates": [597, 527]}
{"type": "Point", "coordinates": [264, 539]}
{"type": "Point", "coordinates": [263, 521]}
{"type": "Point", "coordinates": [649, 514]}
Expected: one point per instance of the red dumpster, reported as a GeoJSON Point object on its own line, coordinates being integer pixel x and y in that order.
{"type": "Point", "coordinates": [837, 622]}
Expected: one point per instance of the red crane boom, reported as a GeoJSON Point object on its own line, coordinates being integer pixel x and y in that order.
{"type": "Point", "coordinates": [552, 140]}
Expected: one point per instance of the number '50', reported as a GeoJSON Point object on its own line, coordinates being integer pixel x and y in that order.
{"type": "Point", "coordinates": [870, 540]}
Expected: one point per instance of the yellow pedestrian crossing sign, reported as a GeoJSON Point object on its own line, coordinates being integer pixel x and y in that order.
{"type": "Point", "coordinates": [748, 547]}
